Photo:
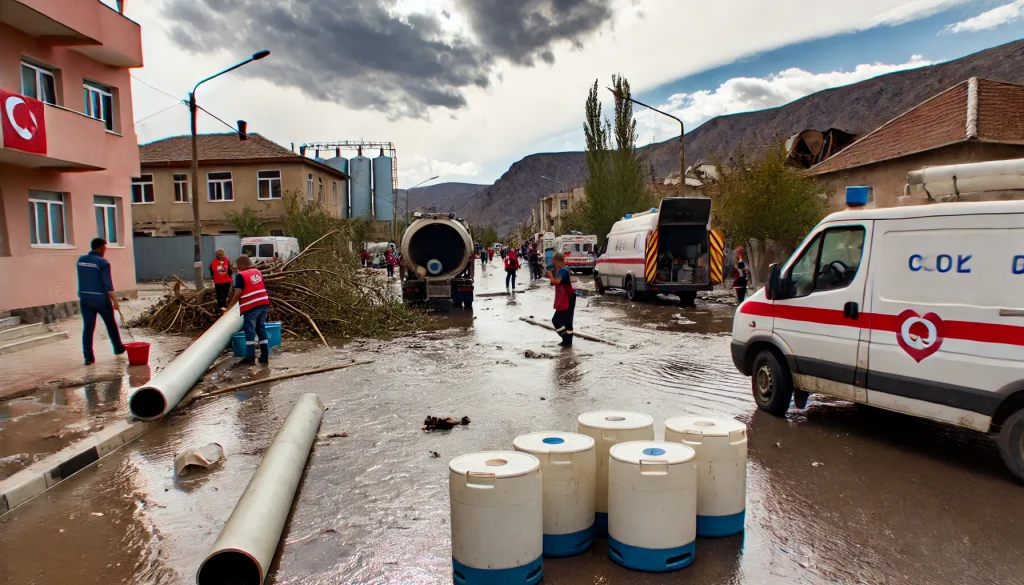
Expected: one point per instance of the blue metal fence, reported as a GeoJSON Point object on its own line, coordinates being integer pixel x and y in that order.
{"type": "Point", "coordinates": [161, 258]}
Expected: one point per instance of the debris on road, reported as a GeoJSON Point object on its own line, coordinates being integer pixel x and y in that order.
{"type": "Point", "coordinates": [550, 327]}
{"type": "Point", "coordinates": [433, 423]}
{"type": "Point", "coordinates": [817, 464]}
{"type": "Point", "coordinates": [341, 435]}
{"type": "Point", "coordinates": [97, 514]}
{"type": "Point", "coordinates": [241, 385]}
{"type": "Point", "coordinates": [204, 457]}
{"type": "Point", "coordinates": [435, 455]}
{"type": "Point", "coordinates": [536, 355]}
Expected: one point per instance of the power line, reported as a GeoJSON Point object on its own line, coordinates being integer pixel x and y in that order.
{"type": "Point", "coordinates": [157, 113]}
{"type": "Point", "coordinates": [176, 98]}
{"type": "Point", "coordinates": [216, 118]}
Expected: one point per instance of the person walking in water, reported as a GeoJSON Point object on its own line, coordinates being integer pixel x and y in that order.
{"type": "Point", "coordinates": [565, 299]}
{"type": "Point", "coordinates": [254, 302]}
{"type": "Point", "coordinates": [391, 260]}
{"type": "Point", "coordinates": [96, 296]}
{"type": "Point", "coordinates": [220, 270]}
{"type": "Point", "coordinates": [511, 267]}
{"type": "Point", "coordinates": [740, 279]}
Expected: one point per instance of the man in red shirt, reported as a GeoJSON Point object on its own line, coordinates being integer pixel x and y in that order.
{"type": "Point", "coordinates": [565, 299]}
{"type": "Point", "coordinates": [220, 269]}
{"type": "Point", "coordinates": [254, 302]}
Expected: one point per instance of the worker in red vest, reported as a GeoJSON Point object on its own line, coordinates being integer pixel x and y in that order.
{"type": "Point", "coordinates": [565, 299]}
{"type": "Point", "coordinates": [220, 269]}
{"type": "Point", "coordinates": [254, 302]}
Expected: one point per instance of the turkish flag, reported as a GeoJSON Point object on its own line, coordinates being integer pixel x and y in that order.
{"type": "Point", "coordinates": [24, 123]}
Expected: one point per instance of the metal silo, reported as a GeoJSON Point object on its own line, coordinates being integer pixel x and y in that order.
{"type": "Point", "coordinates": [383, 189]}
{"type": "Point", "coordinates": [341, 163]}
{"type": "Point", "coordinates": [360, 186]}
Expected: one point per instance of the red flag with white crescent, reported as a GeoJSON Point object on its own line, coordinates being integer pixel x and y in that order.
{"type": "Point", "coordinates": [23, 120]}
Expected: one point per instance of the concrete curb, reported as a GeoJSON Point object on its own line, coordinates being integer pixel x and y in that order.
{"type": "Point", "coordinates": [43, 475]}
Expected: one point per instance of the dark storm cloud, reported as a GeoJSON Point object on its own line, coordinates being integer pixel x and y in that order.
{"type": "Point", "coordinates": [524, 30]}
{"type": "Point", "coordinates": [359, 53]}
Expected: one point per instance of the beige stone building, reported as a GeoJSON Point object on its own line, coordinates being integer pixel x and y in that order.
{"type": "Point", "coordinates": [974, 121]}
{"type": "Point", "coordinates": [555, 207]}
{"type": "Point", "coordinates": [233, 173]}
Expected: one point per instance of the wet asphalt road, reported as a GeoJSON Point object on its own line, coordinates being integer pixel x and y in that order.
{"type": "Point", "coordinates": [892, 500]}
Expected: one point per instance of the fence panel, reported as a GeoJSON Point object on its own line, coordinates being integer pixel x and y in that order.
{"type": "Point", "coordinates": [162, 257]}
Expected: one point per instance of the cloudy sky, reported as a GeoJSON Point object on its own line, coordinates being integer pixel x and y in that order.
{"type": "Point", "coordinates": [464, 88]}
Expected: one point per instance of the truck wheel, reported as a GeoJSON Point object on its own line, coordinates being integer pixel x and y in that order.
{"type": "Point", "coordinates": [598, 285]}
{"type": "Point", "coordinates": [771, 383]}
{"type": "Point", "coordinates": [1011, 443]}
{"type": "Point", "coordinates": [631, 293]}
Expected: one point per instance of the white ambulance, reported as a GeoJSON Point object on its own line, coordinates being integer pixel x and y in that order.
{"type": "Point", "coordinates": [916, 309]}
{"type": "Point", "coordinates": [578, 250]}
{"type": "Point", "coordinates": [669, 249]}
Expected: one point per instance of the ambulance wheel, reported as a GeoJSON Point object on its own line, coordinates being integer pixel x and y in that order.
{"type": "Point", "coordinates": [468, 304]}
{"type": "Point", "coordinates": [771, 383]}
{"type": "Point", "coordinates": [631, 293]}
{"type": "Point", "coordinates": [1011, 443]}
{"type": "Point", "coordinates": [598, 285]}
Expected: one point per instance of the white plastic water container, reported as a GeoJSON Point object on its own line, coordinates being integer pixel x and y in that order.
{"type": "Point", "coordinates": [497, 518]}
{"type": "Point", "coordinates": [652, 505]}
{"type": "Point", "coordinates": [568, 465]}
{"type": "Point", "coordinates": [721, 446]}
{"type": "Point", "coordinates": [607, 428]}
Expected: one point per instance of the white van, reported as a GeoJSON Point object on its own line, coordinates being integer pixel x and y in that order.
{"type": "Point", "coordinates": [666, 250]}
{"type": "Point", "coordinates": [916, 309]}
{"type": "Point", "coordinates": [270, 248]}
{"type": "Point", "coordinates": [579, 251]}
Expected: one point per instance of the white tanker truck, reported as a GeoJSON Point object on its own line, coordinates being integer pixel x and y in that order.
{"type": "Point", "coordinates": [437, 262]}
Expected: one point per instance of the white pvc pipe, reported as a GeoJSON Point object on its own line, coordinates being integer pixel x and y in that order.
{"type": "Point", "coordinates": [162, 393]}
{"type": "Point", "coordinates": [997, 175]}
{"type": "Point", "coordinates": [243, 551]}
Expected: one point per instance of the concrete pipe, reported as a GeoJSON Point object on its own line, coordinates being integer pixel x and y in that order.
{"type": "Point", "coordinates": [437, 246]}
{"type": "Point", "coordinates": [243, 551]}
{"type": "Point", "coordinates": [165, 390]}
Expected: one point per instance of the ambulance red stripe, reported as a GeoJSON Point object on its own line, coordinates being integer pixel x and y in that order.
{"type": "Point", "coordinates": [962, 330]}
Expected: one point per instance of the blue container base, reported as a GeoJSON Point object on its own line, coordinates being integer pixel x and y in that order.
{"type": "Point", "coordinates": [567, 545]}
{"type": "Point", "coordinates": [601, 524]}
{"type": "Point", "coordinates": [652, 560]}
{"type": "Point", "coordinates": [529, 574]}
{"type": "Point", "coordinates": [719, 526]}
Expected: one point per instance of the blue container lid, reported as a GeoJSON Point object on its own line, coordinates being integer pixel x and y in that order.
{"type": "Point", "coordinates": [858, 196]}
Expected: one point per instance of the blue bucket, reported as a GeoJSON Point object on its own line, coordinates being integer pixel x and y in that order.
{"type": "Point", "coordinates": [238, 344]}
{"type": "Point", "coordinates": [274, 333]}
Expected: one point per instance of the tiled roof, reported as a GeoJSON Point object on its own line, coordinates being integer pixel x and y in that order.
{"type": "Point", "coordinates": [996, 110]}
{"type": "Point", "coordinates": [219, 147]}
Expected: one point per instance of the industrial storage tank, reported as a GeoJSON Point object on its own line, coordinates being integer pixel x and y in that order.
{"type": "Point", "coordinates": [383, 189]}
{"type": "Point", "coordinates": [359, 189]}
{"type": "Point", "coordinates": [340, 163]}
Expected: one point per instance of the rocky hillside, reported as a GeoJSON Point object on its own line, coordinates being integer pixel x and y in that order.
{"type": "Point", "coordinates": [857, 108]}
{"type": "Point", "coordinates": [444, 197]}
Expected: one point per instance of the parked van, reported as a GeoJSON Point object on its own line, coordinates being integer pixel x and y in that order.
{"type": "Point", "coordinates": [916, 309]}
{"type": "Point", "coordinates": [579, 251]}
{"type": "Point", "coordinates": [546, 247]}
{"type": "Point", "coordinates": [667, 250]}
{"type": "Point", "coordinates": [270, 248]}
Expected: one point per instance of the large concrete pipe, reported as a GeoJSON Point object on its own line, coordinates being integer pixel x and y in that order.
{"type": "Point", "coordinates": [437, 247]}
{"type": "Point", "coordinates": [162, 393]}
{"type": "Point", "coordinates": [243, 551]}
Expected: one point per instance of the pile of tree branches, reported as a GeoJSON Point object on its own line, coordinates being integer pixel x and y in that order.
{"type": "Point", "coordinates": [319, 294]}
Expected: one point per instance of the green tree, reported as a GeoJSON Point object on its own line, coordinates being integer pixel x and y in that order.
{"type": "Point", "coordinates": [306, 221]}
{"type": "Point", "coordinates": [615, 177]}
{"type": "Point", "coordinates": [762, 199]}
{"type": "Point", "coordinates": [248, 222]}
{"type": "Point", "coordinates": [484, 234]}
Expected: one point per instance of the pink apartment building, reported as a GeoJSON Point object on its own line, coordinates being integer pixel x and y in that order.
{"type": "Point", "coordinates": [64, 178]}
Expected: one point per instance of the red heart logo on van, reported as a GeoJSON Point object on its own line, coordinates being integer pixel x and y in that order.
{"type": "Point", "coordinates": [919, 336]}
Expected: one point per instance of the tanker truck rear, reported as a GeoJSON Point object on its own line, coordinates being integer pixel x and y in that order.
{"type": "Point", "coordinates": [437, 262]}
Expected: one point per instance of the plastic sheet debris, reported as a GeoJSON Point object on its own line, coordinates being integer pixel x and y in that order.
{"type": "Point", "coordinates": [204, 457]}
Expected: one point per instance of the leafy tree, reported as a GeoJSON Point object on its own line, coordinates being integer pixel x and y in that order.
{"type": "Point", "coordinates": [615, 177]}
{"type": "Point", "coordinates": [248, 222]}
{"type": "Point", "coordinates": [485, 234]}
{"type": "Point", "coordinates": [306, 221]}
{"type": "Point", "coordinates": [763, 199]}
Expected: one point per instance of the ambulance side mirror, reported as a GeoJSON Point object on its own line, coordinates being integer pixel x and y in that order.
{"type": "Point", "coordinates": [774, 289]}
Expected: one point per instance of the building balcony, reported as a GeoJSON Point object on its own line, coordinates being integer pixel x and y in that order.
{"type": "Point", "coordinates": [74, 143]}
{"type": "Point", "coordinates": [87, 26]}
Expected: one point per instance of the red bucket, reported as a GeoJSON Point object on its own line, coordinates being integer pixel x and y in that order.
{"type": "Point", "coordinates": [138, 352]}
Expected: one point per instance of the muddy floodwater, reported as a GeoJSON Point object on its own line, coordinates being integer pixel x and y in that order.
{"type": "Point", "coordinates": [837, 493]}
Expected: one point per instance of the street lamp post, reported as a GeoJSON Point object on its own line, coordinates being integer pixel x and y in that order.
{"type": "Point", "coordinates": [193, 110]}
{"type": "Point", "coordinates": [408, 193]}
{"type": "Point", "coordinates": [682, 131]}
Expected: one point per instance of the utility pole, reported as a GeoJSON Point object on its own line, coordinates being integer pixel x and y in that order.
{"type": "Point", "coordinates": [194, 193]}
{"type": "Point", "coordinates": [682, 131]}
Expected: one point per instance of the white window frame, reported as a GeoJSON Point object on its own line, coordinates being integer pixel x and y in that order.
{"type": "Point", "coordinates": [39, 71]}
{"type": "Point", "coordinates": [108, 209]}
{"type": "Point", "coordinates": [334, 192]}
{"type": "Point", "coordinates": [141, 182]}
{"type": "Point", "coordinates": [220, 184]}
{"type": "Point", "coordinates": [309, 187]}
{"type": "Point", "coordinates": [107, 117]}
{"type": "Point", "coordinates": [178, 191]}
{"type": "Point", "coordinates": [270, 185]}
{"type": "Point", "coordinates": [320, 190]}
{"type": "Point", "coordinates": [33, 202]}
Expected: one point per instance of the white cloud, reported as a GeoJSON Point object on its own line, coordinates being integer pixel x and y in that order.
{"type": "Point", "coordinates": [423, 168]}
{"type": "Point", "coordinates": [915, 10]}
{"type": "Point", "coordinates": [744, 94]}
{"type": "Point", "coordinates": [1001, 15]}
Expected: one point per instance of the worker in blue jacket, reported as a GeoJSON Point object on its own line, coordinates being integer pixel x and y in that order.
{"type": "Point", "coordinates": [96, 297]}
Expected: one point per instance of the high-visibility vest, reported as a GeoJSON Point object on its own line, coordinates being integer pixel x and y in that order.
{"type": "Point", "coordinates": [254, 292]}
